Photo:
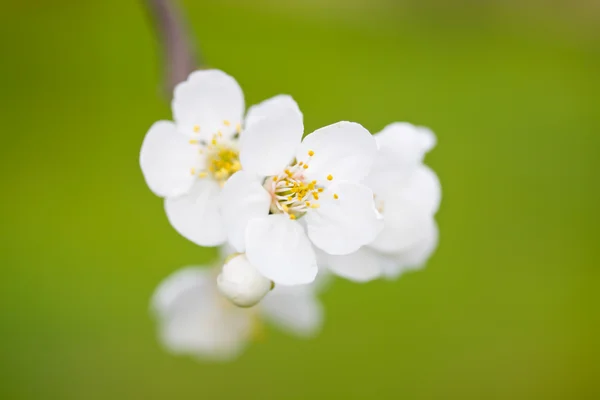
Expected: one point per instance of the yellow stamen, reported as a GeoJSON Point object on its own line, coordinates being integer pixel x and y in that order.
{"type": "Point", "coordinates": [196, 128]}
{"type": "Point", "coordinates": [329, 177]}
{"type": "Point", "coordinates": [202, 175]}
{"type": "Point", "coordinates": [238, 127]}
{"type": "Point", "coordinates": [193, 141]}
{"type": "Point", "coordinates": [335, 196]}
{"type": "Point", "coordinates": [305, 166]}
{"type": "Point", "coordinates": [311, 153]}
{"type": "Point", "coordinates": [292, 216]}
{"type": "Point", "coordinates": [193, 171]}
{"type": "Point", "coordinates": [315, 206]}
{"type": "Point", "coordinates": [320, 190]}
{"type": "Point", "coordinates": [226, 123]}
{"type": "Point", "coordinates": [308, 204]}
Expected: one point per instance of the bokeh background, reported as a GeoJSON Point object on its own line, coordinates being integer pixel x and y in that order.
{"type": "Point", "coordinates": [507, 308]}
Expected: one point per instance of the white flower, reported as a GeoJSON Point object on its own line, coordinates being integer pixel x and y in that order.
{"type": "Point", "coordinates": [408, 195]}
{"type": "Point", "coordinates": [241, 283]}
{"type": "Point", "coordinates": [187, 161]}
{"type": "Point", "coordinates": [194, 319]}
{"type": "Point", "coordinates": [284, 179]}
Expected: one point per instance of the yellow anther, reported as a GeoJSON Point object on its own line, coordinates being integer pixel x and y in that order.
{"type": "Point", "coordinates": [320, 190]}
{"type": "Point", "coordinates": [202, 175]}
{"type": "Point", "coordinates": [305, 166]}
{"type": "Point", "coordinates": [274, 179]}
{"type": "Point", "coordinates": [285, 208]}
{"type": "Point", "coordinates": [214, 142]}
{"type": "Point", "coordinates": [316, 195]}
{"type": "Point", "coordinates": [193, 141]}
{"type": "Point", "coordinates": [307, 204]}
{"type": "Point", "coordinates": [315, 206]}
{"type": "Point", "coordinates": [220, 134]}
{"type": "Point", "coordinates": [335, 196]}
{"type": "Point", "coordinates": [329, 177]}
{"type": "Point", "coordinates": [291, 198]}
{"type": "Point", "coordinates": [288, 172]}
{"type": "Point", "coordinates": [226, 123]}
{"type": "Point", "coordinates": [311, 153]}
{"type": "Point", "coordinates": [292, 216]}
{"type": "Point", "coordinates": [301, 162]}
{"type": "Point", "coordinates": [238, 127]}
{"type": "Point", "coordinates": [196, 128]}
{"type": "Point", "coordinates": [193, 171]}
{"type": "Point", "coordinates": [314, 182]}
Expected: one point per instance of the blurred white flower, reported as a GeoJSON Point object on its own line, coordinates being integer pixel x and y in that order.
{"type": "Point", "coordinates": [187, 161]}
{"type": "Point", "coordinates": [241, 283]}
{"type": "Point", "coordinates": [195, 319]}
{"type": "Point", "coordinates": [407, 194]}
{"type": "Point", "coordinates": [285, 178]}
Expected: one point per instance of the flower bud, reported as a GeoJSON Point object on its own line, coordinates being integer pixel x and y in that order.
{"type": "Point", "coordinates": [241, 283]}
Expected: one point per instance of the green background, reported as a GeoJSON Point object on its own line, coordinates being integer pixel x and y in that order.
{"type": "Point", "coordinates": [508, 307]}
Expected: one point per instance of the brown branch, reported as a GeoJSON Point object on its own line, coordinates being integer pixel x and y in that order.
{"type": "Point", "coordinates": [177, 46]}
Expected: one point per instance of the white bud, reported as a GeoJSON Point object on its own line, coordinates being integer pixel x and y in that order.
{"type": "Point", "coordinates": [241, 283]}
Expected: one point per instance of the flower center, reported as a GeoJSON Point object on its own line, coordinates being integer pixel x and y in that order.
{"type": "Point", "coordinates": [222, 157]}
{"type": "Point", "coordinates": [223, 162]}
{"type": "Point", "coordinates": [292, 193]}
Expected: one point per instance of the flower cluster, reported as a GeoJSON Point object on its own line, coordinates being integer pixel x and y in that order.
{"type": "Point", "coordinates": [287, 208]}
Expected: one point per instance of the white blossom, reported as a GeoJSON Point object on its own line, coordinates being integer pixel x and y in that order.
{"type": "Point", "coordinates": [195, 319]}
{"type": "Point", "coordinates": [188, 160]}
{"type": "Point", "coordinates": [285, 179]}
{"type": "Point", "coordinates": [407, 194]}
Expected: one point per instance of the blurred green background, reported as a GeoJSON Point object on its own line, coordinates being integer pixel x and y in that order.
{"type": "Point", "coordinates": [508, 307]}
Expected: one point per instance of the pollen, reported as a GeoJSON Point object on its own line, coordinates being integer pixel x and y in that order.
{"type": "Point", "coordinates": [329, 177]}
{"type": "Point", "coordinates": [311, 153]}
{"type": "Point", "coordinates": [335, 196]}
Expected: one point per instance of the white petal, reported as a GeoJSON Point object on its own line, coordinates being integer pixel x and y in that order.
{"type": "Point", "coordinates": [192, 319]}
{"type": "Point", "coordinates": [166, 159]}
{"type": "Point", "coordinates": [242, 199]}
{"type": "Point", "coordinates": [405, 143]}
{"type": "Point", "coordinates": [341, 226]}
{"type": "Point", "coordinates": [361, 266]}
{"type": "Point", "coordinates": [270, 107]}
{"type": "Point", "coordinates": [278, 247]}
{"type": "Point", "coordinates": [403, 227]}
{"type": "Point", "coordinates": [423, 189]}
{"type": "Point", "coordinates": [415, 256]}
{"type": "Point", "coordinates": [344, 150]}
{"type": "Point", "coordinates": [407, 211]}
{"type": "Point", "coordinates": [402, 148]}
{"type": "Point", "coordinates": [209, 101]}
{"type": "Point", "coordinates": [196, 215]}
{"type": "Point", "coordinates": [294, 309]}
{"type": "Point", "coordinates": [241, 283]}
{"type": "Point", "coordinates": [269, 142]}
